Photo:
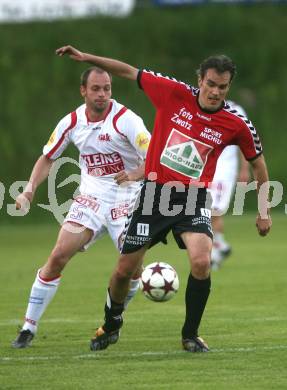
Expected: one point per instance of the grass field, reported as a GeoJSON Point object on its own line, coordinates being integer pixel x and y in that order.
{"type": "Point", "coordinates": [244, 323]}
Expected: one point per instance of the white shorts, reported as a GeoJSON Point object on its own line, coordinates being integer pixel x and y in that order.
{"type": "Point", "coordinates": [224, 180]}
{"type": "Point", "coordinates": [221, 193]}
{"type": "Point", "coordinates": [100, 216]}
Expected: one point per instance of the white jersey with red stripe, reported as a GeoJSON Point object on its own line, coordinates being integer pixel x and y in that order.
{"type": "Point", "coordinates": [118, 142]}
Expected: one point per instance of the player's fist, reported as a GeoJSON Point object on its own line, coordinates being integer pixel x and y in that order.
{"type": "Point", "coordinates": [122, 177]}
{"type": "Point", "coordinates": [23, 201]}
{"type": "Point", "coordinates": [263, 225]}
{"type": "Point", "coordinates": [74, 53]}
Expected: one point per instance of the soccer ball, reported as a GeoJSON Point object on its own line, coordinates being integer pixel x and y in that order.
{"type": "Point", "coordinates": [159, 282]}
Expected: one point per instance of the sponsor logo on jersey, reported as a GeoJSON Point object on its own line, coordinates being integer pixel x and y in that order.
{"type": "Point", "coordinates": [136, 240]}
{"type": "Point", "coordinates": [88, 201]}
{"type": "Point", "coordinates": [182, 118]}
{"type": "Point", "coordinates": [100, 164]}
{"type": "Point", "coordinates": [120, 211]}
{"type": "Point", "coordinates": [52, 138]}
{"type": "Point", "coordinates": [206, 118]}
{"type": "Point", "coordinates": [142, 141]}
{"type": "Point", "coordinates": [212, 135]}
{"type": "Point", "coordinates": [104, 137]}
{"type": "Point", "coordinates": [185, 155]}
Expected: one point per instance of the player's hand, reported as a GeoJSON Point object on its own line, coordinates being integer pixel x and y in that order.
{"type": "Point", "coordinates": [73, 53]}
{"type": "Point", "coordinates": [123, 177]}
{"type": "Point", "coordinates": [263, 225]}
{"type": "Point", "coordinates": [23, 201]}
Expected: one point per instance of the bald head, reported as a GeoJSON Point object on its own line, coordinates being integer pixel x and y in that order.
{"type": "Point", "coordinates": [85, 75]}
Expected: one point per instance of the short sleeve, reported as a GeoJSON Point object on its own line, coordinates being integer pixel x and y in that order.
{"type": "Point", "coordinates": [248, 140]}
{"type": "Point", "coordinates": [60, 138]}
{"type": "Point", "coordinates": [157, 87]}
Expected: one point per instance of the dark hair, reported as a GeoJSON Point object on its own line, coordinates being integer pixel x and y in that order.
{"type": "Point", "coordinates": [221, 63]}
{"type": "Point", "coordinates": [85, 75]}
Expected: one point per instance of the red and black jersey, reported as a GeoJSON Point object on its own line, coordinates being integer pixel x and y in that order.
{"type": "Point", "coordinates": [187, 140]}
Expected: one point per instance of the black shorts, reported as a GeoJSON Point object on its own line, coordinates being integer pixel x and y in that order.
{"type": "Point", "coordinates": [160, 209]}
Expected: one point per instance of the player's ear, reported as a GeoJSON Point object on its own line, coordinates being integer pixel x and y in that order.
{"type": "Point", "coordinates": [83, 90]}
{"type": "Point", "coordinates": [199, 80]}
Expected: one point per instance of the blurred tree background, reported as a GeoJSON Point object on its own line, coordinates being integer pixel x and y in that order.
{"type": "Point", "coordinates": [38, 88]}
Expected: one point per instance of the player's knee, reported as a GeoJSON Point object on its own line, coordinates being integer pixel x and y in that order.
{"type": "Point", "coordinates": [123, 274]}
{"type": "Point", "coordinates": [200, 265]}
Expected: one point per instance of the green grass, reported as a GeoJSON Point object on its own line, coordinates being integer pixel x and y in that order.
{"type": "Point", "coordinates": [244, 323]}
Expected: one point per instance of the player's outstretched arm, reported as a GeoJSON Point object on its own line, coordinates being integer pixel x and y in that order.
{"type": "Point", "coordinates": [110, 65]}
{"type": "Point", "coordinates": [260, 172]}
{"type": "Point", "coordinates": [39, 173]}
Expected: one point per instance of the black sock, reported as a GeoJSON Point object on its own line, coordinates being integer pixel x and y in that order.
{"type": "Point", "coordinates": [113, 314]}
{"type": "Point", "coordinates": [196, 295]}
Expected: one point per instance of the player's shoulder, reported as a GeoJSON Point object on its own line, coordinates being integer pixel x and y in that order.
{"type": "Point", "coordinates": [117, 106]}
{"type": "Point", "coordinates": [127, 123]}
{"type": "Point", "coordinates": [234, 109]}
{"type": "Point", "coordinates": [80, 113]}
{"type": "Point", "coordinates": [71, 120]}
{"type": "Point", "coordinates": [236, 113]}
{"type": "Point", "coordinates": [77, 113]}
{"type": "Point", "coordinates": [173, 81]}
{"type": "Point", "coordinates": [124, 113]}
{"type": "Point", "coordinates": [239, 110]}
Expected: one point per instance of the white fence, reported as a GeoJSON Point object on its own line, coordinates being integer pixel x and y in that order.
{"type": "Point", "coordinates": [28, 10]}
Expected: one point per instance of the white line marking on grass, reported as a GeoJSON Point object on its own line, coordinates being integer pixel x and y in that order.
{"type": "Point", "coordinates": [113, 355]}
{"type": "Point", "coordinates": [168, 353]}
{"type": "Point", "coordinates": [133, 320]}
{"type": "Point", "coordinates": [52, 321]}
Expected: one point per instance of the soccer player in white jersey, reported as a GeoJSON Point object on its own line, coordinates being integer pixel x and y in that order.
{"type": "Point", "coordinates": [231, 166]}
{"type": "Point", "coordinates": [112, 142]}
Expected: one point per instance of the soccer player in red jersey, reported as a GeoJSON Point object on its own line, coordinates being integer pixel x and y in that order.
{"type": "Point", "coordinates": [192, 126]}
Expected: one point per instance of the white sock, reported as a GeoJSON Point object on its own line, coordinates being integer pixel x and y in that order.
{"type": "Point", "coordinates": [220, 243]}
{"type": "Point", "coordinates": [134, 285]}
{"type": "Point", "coordinates": [219, 237]}
{"type": "Point", "coordinates": [42, 292]}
